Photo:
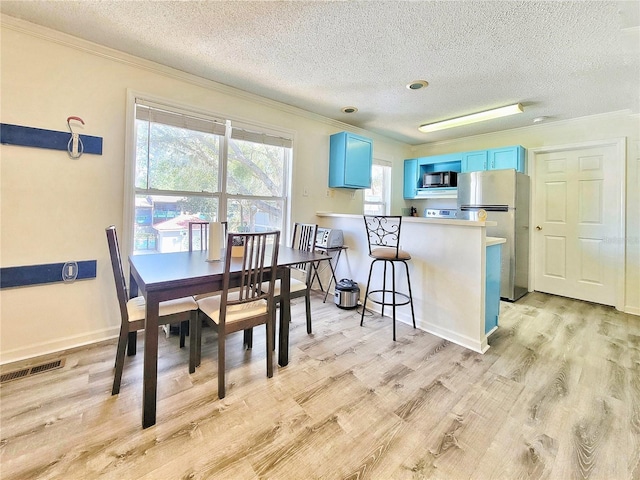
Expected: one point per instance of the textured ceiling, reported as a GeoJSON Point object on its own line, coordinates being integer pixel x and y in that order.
{"type": "Point", "coordinates": [559, 59]}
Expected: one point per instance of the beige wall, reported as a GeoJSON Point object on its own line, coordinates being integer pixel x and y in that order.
{"type": "Point", "coordinates": [604, 127]}
{"type": "Point", "coordinates": [55, 209]}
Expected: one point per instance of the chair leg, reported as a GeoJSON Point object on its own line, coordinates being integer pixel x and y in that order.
{"type": "Point", "coordinates": [393, 296]}
{"type": "Point", "coordinates": [184, 331]}
{"type": "Point", "coordinates": [366, 295]}
{"type": "Point", "coordinates": [117, 376]}
{"type": "Point", "coordinates": [384, 286]}
{"type": "Point", "coordinates": [193, 339]}
{"type": "Point", "coordinates": [270, 342]}
{"type": "Point", "coordinates": [198, 333]}
{"type": "Point", "coordinates": [248, 338]}
{"type": "Point", "coordinates": [132, 343]}
{"type": "Point", "coordinates": [273, 331]}
{"type": "Point", "coordinates": [413, 315]}
{"type": "Point", "coordinates": [307, 301]}
{"type": "Point", "coordinates": [221, 365]}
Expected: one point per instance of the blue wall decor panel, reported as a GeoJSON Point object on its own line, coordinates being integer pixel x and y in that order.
{"type": "Point", "coordinates": [40, 138]}
{"type": "Point", "coordinates": [46, 273]}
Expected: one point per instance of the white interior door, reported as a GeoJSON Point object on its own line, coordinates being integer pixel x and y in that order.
{"type": "Point", "coordinates": [578, 222]}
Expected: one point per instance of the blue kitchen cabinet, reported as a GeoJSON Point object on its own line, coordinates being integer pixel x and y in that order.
{"type": "Point", "coordinates": [350, 160]}
{"type": "Point", "coordinates": [439, 163]}
{"type": "Point", "coordinates": [415, 168]}
{"type": "Point", "coordinates": [474, 161]}
{"type": "Point", "coordinates": [507, 157]}
{"type": "Point", "coordinates": [495, 159]}
{"type": "Point", "coordinates": [492, 287]}
{"type": "Point", "coordinates": [410, 186]}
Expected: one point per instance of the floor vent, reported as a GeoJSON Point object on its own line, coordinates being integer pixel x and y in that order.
{"type": "Point", "coordinates": [25, 372]}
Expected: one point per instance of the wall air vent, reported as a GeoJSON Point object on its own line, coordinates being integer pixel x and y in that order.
{"type": "Point", "coordinates": [26, 372]}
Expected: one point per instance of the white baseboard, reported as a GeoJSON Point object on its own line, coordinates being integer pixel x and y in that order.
{"type": "Point", "coordinates": [632, 310]}
{"type": "Point", "coordinates": [462, 340]}
{"type": "Point", "coordinates": [57, 345]}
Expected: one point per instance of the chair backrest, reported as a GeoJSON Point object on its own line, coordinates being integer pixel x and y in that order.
{"type": "Point", "coordinates": [257, 264]}
{"type": "Point", "coordinates": [118, 273]}
{"type": "Point", "coordinates": [383, 231]}
{"type": "Point", "coordinates": [204, 234]}
{"type": "Point", "coordinates": [304, 238]}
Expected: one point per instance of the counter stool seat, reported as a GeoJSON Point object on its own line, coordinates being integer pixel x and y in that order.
{"type": "Point", "coordinates": [383, 235]}
{"type": "Point", "coordinates": [386, 253]}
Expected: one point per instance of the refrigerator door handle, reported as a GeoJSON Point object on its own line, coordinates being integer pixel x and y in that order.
{"type": "Point", "coordinates": [488, 208]}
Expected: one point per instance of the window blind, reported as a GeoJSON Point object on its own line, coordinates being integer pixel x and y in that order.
{"type": "Point", "coordinates": [259, 137]}
{"type": "Point", "coordinates": [382, 163]}
{"type": "Point", "coordinates": [150, 112]}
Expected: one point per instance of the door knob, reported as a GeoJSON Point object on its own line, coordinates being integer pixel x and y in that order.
{"type": "Point", "coordinates": [538, 227]}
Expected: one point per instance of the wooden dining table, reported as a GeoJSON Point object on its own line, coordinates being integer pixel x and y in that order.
{"type": "Point", "coordinates": [166, 276]}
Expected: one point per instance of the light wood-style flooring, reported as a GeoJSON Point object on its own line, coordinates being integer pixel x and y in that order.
{"type": "Point", "coordinates": [557, 396]}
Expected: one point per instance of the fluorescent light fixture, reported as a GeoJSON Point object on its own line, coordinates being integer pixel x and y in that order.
{"type": "Point", "coordinates": [472, 118]}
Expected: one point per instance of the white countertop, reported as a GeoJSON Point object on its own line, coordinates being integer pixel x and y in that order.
{"type": "Point", "coordinates": [436, 221]}
{"type": "Point", "coordinates": [495, 241]}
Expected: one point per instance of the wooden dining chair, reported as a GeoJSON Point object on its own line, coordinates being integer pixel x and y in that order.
{"type": "Point", "coordinates": [247, 305]}
{"type": "Point", "coordinates": [132, 313]}
{"type": "Point", "coordinates": [304, 238]}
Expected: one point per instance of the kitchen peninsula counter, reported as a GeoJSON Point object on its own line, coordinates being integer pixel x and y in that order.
{"type": "Point", "coordinates": [447, 268]}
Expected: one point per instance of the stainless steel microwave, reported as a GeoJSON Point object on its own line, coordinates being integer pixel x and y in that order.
{"type": "Point", "coordinates": [440, 179]}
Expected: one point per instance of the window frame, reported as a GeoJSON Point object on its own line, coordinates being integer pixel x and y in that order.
{"type": "Point", "coordinates": [387, 185]}
{"type": "Point", "coordinates": [130, 189]}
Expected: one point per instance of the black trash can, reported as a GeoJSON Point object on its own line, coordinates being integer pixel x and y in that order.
{"type": "Point", "coordinates": [347, 294]}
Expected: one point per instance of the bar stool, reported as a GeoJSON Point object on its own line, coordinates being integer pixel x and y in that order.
{"type": "Point", "coordinates": [383, 235]}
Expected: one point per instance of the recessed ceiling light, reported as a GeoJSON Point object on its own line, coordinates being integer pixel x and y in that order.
{"type": "Point", "coordinates": [417, 84]}
{"type": "Point", "coordinates": [539, 119]}
{"type": "Point", "coordinates": [349, 110]}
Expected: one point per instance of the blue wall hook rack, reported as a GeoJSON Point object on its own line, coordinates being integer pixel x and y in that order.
{"type": "Point", "coordinates": [41, 138]}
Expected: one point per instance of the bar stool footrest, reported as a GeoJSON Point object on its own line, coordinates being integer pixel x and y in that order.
{"type": "Point", "coordinates": [381, 297]}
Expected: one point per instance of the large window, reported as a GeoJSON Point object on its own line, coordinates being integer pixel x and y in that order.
{"type": "Point", "coordinates": [191, 167]}
{"type": "Point", "coordinates": [377, 199]}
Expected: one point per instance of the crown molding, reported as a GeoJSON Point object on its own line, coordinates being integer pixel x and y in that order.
{"type": "Point", "coordinates": [114, 55]}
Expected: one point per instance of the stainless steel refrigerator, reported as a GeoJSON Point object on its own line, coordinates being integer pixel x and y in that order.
{"type": "Point", "coordinates": [504, 195]}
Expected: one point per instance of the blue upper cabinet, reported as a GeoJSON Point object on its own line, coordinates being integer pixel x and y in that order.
{"type": "Point", "coordinates": [474, 161]}
{"type": "Point", "coordinates": [410, 188]}
{"type": "Point", "coordinates": [495, 159]}
{"type": "Point", "coordinates": [507, 157]}
{"type": "Point", "coordinates": [350, 159]}
{"type": "Point", "coordinates": [415, 168]}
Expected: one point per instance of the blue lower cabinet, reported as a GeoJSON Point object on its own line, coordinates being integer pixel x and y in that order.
{"type": "Point", "coordinates": [492, 287]}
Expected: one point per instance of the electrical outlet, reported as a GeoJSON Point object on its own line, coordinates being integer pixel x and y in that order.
{"type": "Point", "coordinates": [327, 193]}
